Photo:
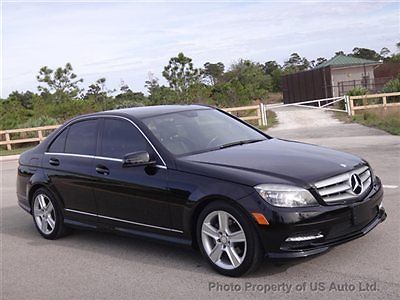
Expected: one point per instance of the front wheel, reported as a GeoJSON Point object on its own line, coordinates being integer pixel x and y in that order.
{"type": "Point", "coordinates": [227, 240]}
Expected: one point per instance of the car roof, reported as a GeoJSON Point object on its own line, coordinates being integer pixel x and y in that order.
{"type": "Point", "coordinates": [151, 111]}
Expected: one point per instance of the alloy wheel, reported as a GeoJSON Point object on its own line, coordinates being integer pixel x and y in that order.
{"type": "Point", "coordinates": [44, 213]}
{"type": "Point", "coordinates": [224, 240]}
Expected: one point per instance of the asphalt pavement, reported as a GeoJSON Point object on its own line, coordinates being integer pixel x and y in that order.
{"type": "Point", "coordinates": [93, 265]}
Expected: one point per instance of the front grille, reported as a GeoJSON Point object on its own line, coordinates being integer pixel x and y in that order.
{"type": "Point", "coordinates": [338, 189]}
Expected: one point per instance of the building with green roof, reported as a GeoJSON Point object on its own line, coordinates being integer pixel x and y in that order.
{"type": "Point", "coordinates": [332, 78]}
{"type": "Point", "coordinates": [346, 61]}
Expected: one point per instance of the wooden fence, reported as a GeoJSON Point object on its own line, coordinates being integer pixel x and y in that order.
{"type": "Point", "coordinates": [374, 101]}
{"type": "Point", "coordinates": [20, 136]}
{"type": "Point", "coordinates": [23, 135]}
{"type": "Point", "coordinates": [250, 113]}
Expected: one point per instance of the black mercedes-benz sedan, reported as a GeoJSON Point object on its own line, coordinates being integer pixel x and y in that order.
{"type": "Point", "coordinates": [198, 176]}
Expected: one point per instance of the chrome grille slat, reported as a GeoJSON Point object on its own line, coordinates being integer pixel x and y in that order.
{"type": "Point", "coordinates": [332, 181]}
{"type": "Point", "coordinates": [339, 197]}
{"type": "Point", "coordinates": [337, 188]}
{"type": "Point", "coordinates": [366, 185]}
{"type": "Point", "coordinates": [364, 176]}
{"type": "Point", "coordinates": [334, 189]}
{"type": "Point", "coordinates": [361, 170]}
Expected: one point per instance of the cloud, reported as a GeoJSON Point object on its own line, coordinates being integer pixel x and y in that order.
{"type": "Point", "coordinates": [127, 40]}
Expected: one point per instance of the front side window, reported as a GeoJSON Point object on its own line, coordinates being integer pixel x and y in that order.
{"type": "Point", "coordinates": [120, 138]}
{"type": "Point", "coordinates": [196, 131]}
{"type": "Point", "coordinates": [82, 138]}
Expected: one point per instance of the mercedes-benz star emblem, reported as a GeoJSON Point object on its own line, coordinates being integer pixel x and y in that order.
{"type": "Point", "coordinates": [356, 184]}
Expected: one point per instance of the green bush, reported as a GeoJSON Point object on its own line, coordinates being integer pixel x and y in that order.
{"type": "Point", "coordinates": [392, 86]}
{"type": "Point", "coordinates": [357, 91]}
{"type": "Point", "coordinates": [41, 121]}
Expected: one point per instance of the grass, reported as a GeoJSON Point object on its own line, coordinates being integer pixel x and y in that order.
{"type": "Point", "coordinates": [342, 116]}
{"type": "Point", "coordinates": [13, 151]}
{"type": "Point", "coordinates": [272, 120]}
{"type": "Point", "coordinates": [388, 121]}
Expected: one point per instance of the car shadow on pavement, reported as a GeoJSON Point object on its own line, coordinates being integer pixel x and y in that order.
{"type": "Point", "coordinates": [18, 224]}
{"type": "Point", "coordinates": [271, 267]}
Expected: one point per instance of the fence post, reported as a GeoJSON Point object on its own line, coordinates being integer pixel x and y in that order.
{"type": "Point", "coordinates": [347, 104]}
{"type": "Point", "coordinates": [259, 115]}
{"type": "Point", "coordinates": [263, 114]}
{"type": "Point", "coordinates": [384, 102]}
{"type": "Point", "coordinates": [40, 136]}
{"type": "Point", "coordinates": [8, 139]}
{"type": "Point", "coordinates": [351, 106]}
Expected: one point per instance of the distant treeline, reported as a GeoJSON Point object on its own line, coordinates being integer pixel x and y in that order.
{"type": "Point", "coordinates": [60, 96]}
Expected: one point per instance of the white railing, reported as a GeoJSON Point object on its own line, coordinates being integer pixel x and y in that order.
{"type": "Point", "coordinates": [321, 104]}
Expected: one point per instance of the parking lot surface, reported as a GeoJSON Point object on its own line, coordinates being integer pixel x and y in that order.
{"type": "Point", "coordinates": [88, 265]}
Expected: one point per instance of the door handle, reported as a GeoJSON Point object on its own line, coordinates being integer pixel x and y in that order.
{"type": "Point", "coordinates": [54, 161]}
{"type": "Point", "coordinates": [102, 170]}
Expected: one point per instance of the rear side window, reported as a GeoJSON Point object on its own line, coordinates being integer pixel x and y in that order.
{"type": "Point", "coordinates": [120, 138]}
{"type": "Point", "coordinates": [82, 137]}
{"type": "Point", "coordinates": [58, 145]}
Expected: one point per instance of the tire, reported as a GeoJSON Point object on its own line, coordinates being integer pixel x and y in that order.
{"type": "Point", "coordinates": [231, 250]}
{"type": "Point", "coordinates": [47, 215]}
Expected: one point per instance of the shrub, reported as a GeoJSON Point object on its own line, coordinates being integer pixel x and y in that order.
{"type": "Point", "coordinates": [357, 91]}
{"type": "Point", "coordinates": [41, 121]}
{"type": "Point", "coordinates": [392, 86]}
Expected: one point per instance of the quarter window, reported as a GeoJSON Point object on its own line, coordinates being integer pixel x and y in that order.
{"type": "Point", "coordinates": [82, 137]}
{"type": "Point", "coordinates": [58, 145]}
{"type": "Point", "coordinates": [120, 138]}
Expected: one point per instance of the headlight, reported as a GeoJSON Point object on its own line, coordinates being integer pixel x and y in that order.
{"type": "Point", "coordinates": [285, 195]}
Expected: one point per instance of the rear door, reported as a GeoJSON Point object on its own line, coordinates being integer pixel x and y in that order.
{"type": "Point", "coordinates": [69, 163]}
{"type": "Point", "coordinates": [129, 196]}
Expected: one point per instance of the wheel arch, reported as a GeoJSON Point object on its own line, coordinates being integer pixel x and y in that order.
{"type": "Point", "coordinates": [204, 203]}
{"type": "Point", "coordinates": [39, 185]}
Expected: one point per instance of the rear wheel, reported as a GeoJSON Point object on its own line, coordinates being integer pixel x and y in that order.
{"type": "Point", "coordinates": [47, 215]}
{"type": "Point", "coordinates": [227, 239]}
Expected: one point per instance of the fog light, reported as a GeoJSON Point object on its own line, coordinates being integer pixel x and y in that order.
{"type": "Point", "coordinates": [302, 238]}
{"type": "Point", "coordinates": [381, 206]}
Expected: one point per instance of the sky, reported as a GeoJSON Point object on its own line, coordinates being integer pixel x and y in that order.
{"type": "Point", "coordinates": [127, 40]}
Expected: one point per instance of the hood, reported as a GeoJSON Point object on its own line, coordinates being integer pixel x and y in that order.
{"type": "Point", "coordinates": [271, 161]}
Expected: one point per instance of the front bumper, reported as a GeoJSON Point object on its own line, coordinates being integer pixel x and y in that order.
{"type": "Point", "coordinates": [332, 225]}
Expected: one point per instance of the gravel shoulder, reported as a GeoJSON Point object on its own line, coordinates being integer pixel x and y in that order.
{"type": "Point", "coordinates": [300, 123]}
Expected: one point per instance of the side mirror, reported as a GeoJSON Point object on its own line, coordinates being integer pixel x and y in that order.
{"type": "Point", "coordinates": [140, 158]}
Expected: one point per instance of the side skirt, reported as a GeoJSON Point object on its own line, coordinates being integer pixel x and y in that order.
{"type": "Point", "coordinates": [130, 232]}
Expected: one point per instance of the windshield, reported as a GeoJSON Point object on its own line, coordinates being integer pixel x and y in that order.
{"type": "Point", "coordinates": [197, 131]}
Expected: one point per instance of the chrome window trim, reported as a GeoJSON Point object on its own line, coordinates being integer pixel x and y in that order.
{"type": "Point", "coordinates": [118, 117]}
{"type": "Point", "coordinates": [95, 157]}
{"type": "Point", "coordinates": [124, 221]}
{"type": "Point", "coordinates": [108, 158]}
{"type": "Point", "coordinates": [69, 154]}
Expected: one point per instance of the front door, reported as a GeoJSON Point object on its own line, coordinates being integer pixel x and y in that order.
{"type": "Point", "coordinates": [129, 196]}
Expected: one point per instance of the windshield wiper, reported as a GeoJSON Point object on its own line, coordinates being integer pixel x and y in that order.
{"type": "Point", "coordinates": [238, 143]}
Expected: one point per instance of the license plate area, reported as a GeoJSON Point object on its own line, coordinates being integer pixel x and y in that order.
{"type": "Point", "coordinates": [361, 214]}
